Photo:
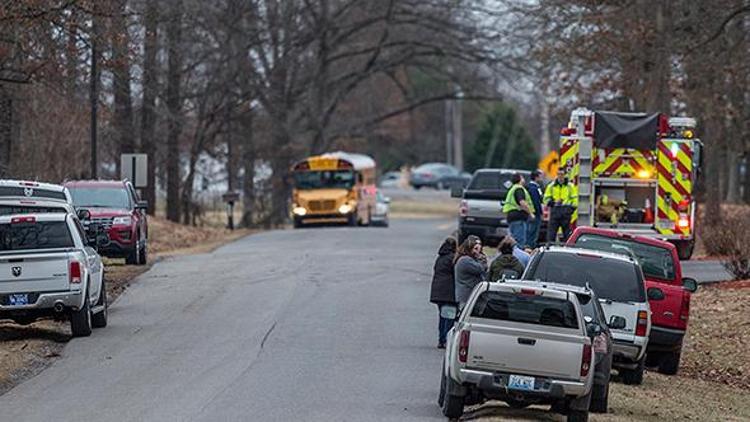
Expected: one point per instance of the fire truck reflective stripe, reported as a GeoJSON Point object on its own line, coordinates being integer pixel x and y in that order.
{"type": "Point", "coordinates": [569, 161]}
{"type": "Point", "coordinates": [622, 162]}
{"type": "Point", "coordinates": [674, 164]}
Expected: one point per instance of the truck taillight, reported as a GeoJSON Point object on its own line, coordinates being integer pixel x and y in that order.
{"type": "Point", "coordinates": [600, 343]}
{"type": "Point", "coordinates": [683, 222]}
{"type": "Point", "coordinates": [642, 325]}
{"type": "Point", "coordinates": [685, 309]}
{"type": "Point", "coordinates": [463, 346]}
{"type": "Point", "coordinates": [463, 208]}
{"type": "Point", "coordinates": [586, 360]}
{"type": "Point", "coordinates": [75, 272]}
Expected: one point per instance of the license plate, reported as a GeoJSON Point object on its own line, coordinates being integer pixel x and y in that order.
{"type": "Point", "coordinates": [16, 300]}
{"type": "Point", "coordinates": [520, 382]}
{"type": "Point", "coordinates": [665, 224]}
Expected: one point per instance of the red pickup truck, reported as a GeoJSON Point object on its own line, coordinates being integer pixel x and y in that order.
{"type": "Point", "coordinates": [668, 292]}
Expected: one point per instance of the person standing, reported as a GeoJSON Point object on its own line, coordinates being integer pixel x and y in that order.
{"type": "Point", "coordinates": [443, 290]}
{"type": "Point", "coordinates": [535, 192]}
{"type": "Point", "coordinates": [518, 209]}
{"type": "Point", "coordinates": [506, 265]}
{"type": "Point", "coordinates": [562, 198]}
{"type": "Point", "coordinates": [470, 268]}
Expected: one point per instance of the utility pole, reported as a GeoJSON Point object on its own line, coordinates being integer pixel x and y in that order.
{"type": "Point", "coordinates": [458, 147]}
{"type": "Point", "coordinates": [94, 97]}
{"type": "Point", "coordinates": [449, 131]}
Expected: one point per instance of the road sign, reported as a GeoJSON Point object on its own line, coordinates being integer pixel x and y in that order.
{"type": "Point", "coordinates": [134, 167]}
{"type": "Point", "coordinates": [231, 197]}
{"type": "Point", "coordinates": [550, 164]}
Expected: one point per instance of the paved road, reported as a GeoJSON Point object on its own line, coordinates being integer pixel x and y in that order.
{"type": "Point", "coordinates": [329, 324]}
{"type": "Point", "coordinates": [705, 271]}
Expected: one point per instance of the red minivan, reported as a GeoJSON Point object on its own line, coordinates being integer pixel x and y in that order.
{"type": "Point", "coordinates": [668, 292]}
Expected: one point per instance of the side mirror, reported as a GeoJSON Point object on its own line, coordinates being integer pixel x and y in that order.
{"type": "Point", "coordinates": [690, 284]}
{"type": "Point", "coordinates": [655, 293]}
{"type": "Point", "coordinates": [84, 215]}
{"type": "Point", "coordinates": [617, 322]}
{"type": "Point", "coordinates": [457, 192]}
{"type": "Point", "coordinates": [593, 329]}
{"type": "Point", "coordinates": [142, 205]}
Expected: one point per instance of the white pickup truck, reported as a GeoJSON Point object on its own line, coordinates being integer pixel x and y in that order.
{"type": "Point", "coordinates": [519, 342]}
{"type": "Point", "coordinates": [48, 268]}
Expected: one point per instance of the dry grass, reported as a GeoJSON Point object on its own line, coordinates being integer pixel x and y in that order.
{"type": "Point", "coordinates": [26, 350]}
{"type": "Point", "coordinates": [407, 208]}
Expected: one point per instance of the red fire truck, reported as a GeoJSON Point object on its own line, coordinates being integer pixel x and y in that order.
{"type": "Point", "coordinates": [635, 173]}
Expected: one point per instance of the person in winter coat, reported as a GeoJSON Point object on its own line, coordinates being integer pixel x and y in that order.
{"type": "Point", "coordinates": [470, 269]}
{"type": "Point", "coordinates": [443, 291]}
{"type": "Point", "coordinates": [506, 264]}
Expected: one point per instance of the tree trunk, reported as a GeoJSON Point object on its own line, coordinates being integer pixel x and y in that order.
{"type": "Point", "coordinates": [7, 117]}
{"type": "Point", "coordinates": [173, 100]}
{"type": "Point", "coordinates": [148, 108]}
{"type": "Point", "coordinates": [123, 114]}
{"type": "Point", "coordinates": [733, 176]}
{"type": "Point", "coordinates": [248, 178]}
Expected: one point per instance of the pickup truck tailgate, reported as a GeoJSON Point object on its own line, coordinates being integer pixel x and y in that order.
{"type": "Point", "coordinates": [37, 272]}
{"type": "Point", "coordinates": [525, 351]}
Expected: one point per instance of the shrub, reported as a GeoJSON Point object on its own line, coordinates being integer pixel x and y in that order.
{"type": "Point", "coordinates": [730, 239]}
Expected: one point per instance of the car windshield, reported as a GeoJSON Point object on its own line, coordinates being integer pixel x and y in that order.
{"type": "Point", "coordinates": [491, 180]}
{"type": "Point", "coordinates": [612, 279]}
{"type": "Point", "coordinates": [38, 235]}
{"type": "Point", "coordinates": [528, 309]}
{"type": "Point", "coordinates": [94, 197]}
{"type": "Point", "coordinates": [329, 179]}
{"type": "Point", "coordinates": [655, 261]}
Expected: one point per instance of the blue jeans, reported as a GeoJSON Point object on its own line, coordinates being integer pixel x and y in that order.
{"type": "Point", "coordinates": [444, 325]}
{"type": "Point", "coordinates": [532, 234]}
{"type": "Point", "coordinates": [518, 231]}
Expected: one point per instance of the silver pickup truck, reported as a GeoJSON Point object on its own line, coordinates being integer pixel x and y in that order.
{"type": "Point", "coordinates": [48, 268]}
{"type": "Point", "coordinates": [520, 342]}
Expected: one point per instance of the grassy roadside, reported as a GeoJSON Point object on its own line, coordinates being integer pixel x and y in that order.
{"type": "Point", "coordinates": [26, 350]}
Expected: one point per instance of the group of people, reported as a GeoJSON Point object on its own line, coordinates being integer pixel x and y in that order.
{"type": "Point", "coordinates": [459, 269]}
{"type": "Point", "coordinates": [523, 207]}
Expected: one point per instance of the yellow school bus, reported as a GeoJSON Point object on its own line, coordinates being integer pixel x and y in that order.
{"type": "Point", "coordinates": [336, 187]}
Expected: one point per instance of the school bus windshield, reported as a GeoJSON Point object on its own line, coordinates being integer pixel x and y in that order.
{"type": "Point", "coordinates": [328, 179]}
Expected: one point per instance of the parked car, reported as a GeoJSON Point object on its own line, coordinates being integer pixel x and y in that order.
{"type": "Point", "coordinates": [434, 175]}
{"type": "Point", "coordinates": [379, 216]}
{"type": "Point", "coordinates": [520, 342]}
{"type": "Point", "coordinates": [391, 179]}
{"type": "Point", "coordinates": [618, 281]}
{"type": "Point", "coordinates": [481, 209]}
{"type": "Point", "coordinates": [114, 204]}
{"type": "Point", "coordinates": [49, 268]}
{"type": "Point", "coordinates": [668, 292]}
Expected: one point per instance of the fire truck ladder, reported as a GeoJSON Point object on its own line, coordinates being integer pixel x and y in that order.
{"type": "Point", "coordinates": [585, 185]}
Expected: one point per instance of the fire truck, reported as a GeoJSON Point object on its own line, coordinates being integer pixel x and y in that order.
{"type": "Point", "coordinates": [635, 173]}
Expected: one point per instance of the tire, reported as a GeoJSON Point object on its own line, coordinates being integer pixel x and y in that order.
{"type": "Point", "coordinates": [515, 404]}
{"type": "Point", "coordinates": [351, 221]}
{"type": "Point", "coordinates": [669, 363]}
{"type": "Point", "coordinates": [80, 320]}
{"type": "Point", "coordinates": [634, 376]}
{"type": "Point", "coordinates": [417, 187]}
{"type": "Point", "coordinates": [453, 406]}
{"type": "Point", "coordinates": [100, 320]}
{"type": "Point", "coordinates": [134, 255]}
{"type": "Point", "coordinates": [685, 249]}
{"type": "Point", "coordinates": [578, 416]}
{"type": "Point", "coordinates": [143, 256]}
{"type": "Point", "coordinates": [600, 399]}
{"type": "Point", "coordinates": [441, 395]}
{"type": "Point", "coordinates": [297, 222]}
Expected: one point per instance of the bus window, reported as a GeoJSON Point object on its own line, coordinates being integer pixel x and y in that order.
{"type": "Point", "coordinates": [329, 179]}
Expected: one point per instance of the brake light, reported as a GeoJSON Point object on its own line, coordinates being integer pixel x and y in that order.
{"type": "Point", "coordinates": [75, 272]}
{"type": "Point", "coordinates": [683, 222]}
{"type": "Point", "coordinates": [20, 220]}
{"type": "Point", "coordinates": [586, 360]}
{"type": "Point", "coordinates": [528, 292]}
{"type": "Point", "coordinates": [600, 343]}
{"type": "Point", "coordinates": [30, 184]}
{"type": "Point", "coordinates": [463, 208]}
{"type": "Point", "coordinates": [640, 328]}
{"type": "Point", "coordinates": [463, 346]}
{"type": "Point", "coordinates": [685, 309]}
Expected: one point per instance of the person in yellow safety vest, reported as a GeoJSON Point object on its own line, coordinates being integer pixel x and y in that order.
{"type": "Point", "coordinates": [561, 197]}
{"type": "Point", "coordinates": [518, 209]}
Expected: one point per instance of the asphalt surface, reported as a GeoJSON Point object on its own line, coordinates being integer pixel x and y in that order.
{"type": "Point", "coordinates": [325, 324]}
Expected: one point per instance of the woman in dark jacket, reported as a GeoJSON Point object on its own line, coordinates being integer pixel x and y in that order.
{"type": "Point", "coordinates": [443, 289]}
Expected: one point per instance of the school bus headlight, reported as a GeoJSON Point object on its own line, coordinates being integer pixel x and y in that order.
{"type": "Point", "coordinates": [300, 211]}
{"type": "Point", "coordinates": [643, 174]}
{"type": "Point", "coordinates": [345, 209]}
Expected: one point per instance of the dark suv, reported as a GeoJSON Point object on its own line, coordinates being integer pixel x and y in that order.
{"type": "Point", "coordinates": [115, 206]}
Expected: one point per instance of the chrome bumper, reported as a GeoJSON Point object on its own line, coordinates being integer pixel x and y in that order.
{"type": "Point", "coordinates": [70, 299]}
{"type": "Point", "coordinates": [554, 388]}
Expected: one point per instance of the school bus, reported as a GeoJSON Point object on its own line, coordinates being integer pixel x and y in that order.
{"type": "Point", "coordinates": [335, 187]}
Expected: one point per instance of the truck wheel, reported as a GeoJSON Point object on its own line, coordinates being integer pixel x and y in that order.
{"type": "Point", "coordinates": [453, 406]}
{"type": "Point", "coordinates": [441, 395]}
{"type": "Point", "coordinates": [600, 398]}
{"type": "Point", "coordinates": [578, 416]}
{"type": "Point", "coordinates": [516, 404]}
{"type": "Point", "coordinates": [685, 249]}
{"type": "Point", "coordinates": [634, 376]}
{"type": "Point", "coordinates": [670, 363]}
{"type": "Point", "coordinates": [100, 320]}
{"type": "Point", "coordinates": [143, 256]}
{"type": "Point", "coordinates": [80, 320]}
{"type": "Point", "coordinates": [297, 222]}
{"type": "Point", "coordinates": [351, 221]}
{"type": "Point", "coordinates": [132, 258]}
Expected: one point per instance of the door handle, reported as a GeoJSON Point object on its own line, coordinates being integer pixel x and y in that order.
{"type": "Point", "coordinates": [527, 341]}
